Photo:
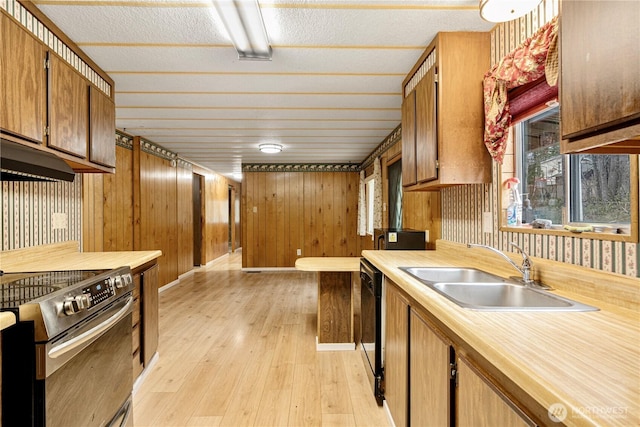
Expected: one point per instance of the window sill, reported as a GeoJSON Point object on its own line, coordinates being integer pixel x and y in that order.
{"type": "Point", "coordinates": [630, 238]}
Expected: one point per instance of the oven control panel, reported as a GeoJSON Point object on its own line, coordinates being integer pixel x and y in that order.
{"type": "Point", "coordinates": [96, 293]}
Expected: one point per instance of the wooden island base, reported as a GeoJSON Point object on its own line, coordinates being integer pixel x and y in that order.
{"type": "Point", "coordinates": [336, 278]}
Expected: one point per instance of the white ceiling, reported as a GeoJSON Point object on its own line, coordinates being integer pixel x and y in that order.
{"type": "Point", "coordinates": [331, 93]}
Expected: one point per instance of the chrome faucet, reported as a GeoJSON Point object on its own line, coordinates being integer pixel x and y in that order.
{"type": "Point", "coordinates": [525, 269]}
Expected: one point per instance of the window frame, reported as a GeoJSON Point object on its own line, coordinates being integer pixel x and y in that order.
{"type": "Point", "coordinates": [631, 236]}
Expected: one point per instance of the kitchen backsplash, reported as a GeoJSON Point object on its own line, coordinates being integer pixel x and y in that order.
{"type": "Point", "coordinates": [39, 213]}
{"type": "Point", "coordinates": [463, 206]}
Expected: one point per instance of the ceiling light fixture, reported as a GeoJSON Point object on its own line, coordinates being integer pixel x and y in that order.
{"type": "Point", "coordinates": [270, 148]}
{"type": "Point", "coordinates": [243, 21]}
{"type": "Point", "coordinates": [506, 10]}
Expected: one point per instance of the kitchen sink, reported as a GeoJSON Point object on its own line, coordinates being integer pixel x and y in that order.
{"type": "Point", "coordinates": [478, 290]}
{"type": "Point", "coordinates": [451, 274]}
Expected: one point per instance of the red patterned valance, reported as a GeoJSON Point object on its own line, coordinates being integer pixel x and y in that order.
{"type": "Point", "coordinates": [523, 65]}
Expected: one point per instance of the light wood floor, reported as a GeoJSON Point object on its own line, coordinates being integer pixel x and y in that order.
{"type": "Point", "coordinates": [238, 349]}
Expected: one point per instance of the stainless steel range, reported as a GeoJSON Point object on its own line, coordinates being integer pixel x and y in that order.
{"type": "Point", "coordinates": [67, 360]}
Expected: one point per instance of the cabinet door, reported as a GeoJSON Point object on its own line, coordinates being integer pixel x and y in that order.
{"type": "Point", "coordinates": [396, 354]}
{"type": "Point", "coordinates": [22, 82]}
{"type": "Point", "coordinates": [150, 319]}
{"type": "Point", "coordinates": [68, 108]}
{"type": "Point", "coordinates": [426, 128]}
{"type": "Point", "coordinates": [102, 144]}
{"type": "Point", "coordinates": [600, 58]}
{"type": "Point", "coordinates": [480, 404]}
{"type": "Point", "coordinates": [409, 139]}
{"type": "Point", "coordinates": [430, 378]}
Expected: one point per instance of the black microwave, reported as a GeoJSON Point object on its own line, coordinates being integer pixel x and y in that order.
{"type": "Point", "coordinates": [399, 239]}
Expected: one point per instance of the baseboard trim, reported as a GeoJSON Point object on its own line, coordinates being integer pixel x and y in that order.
{"type": "Point", "coordinates": [338, 346]}
{"type": "Point", "coordinates": [143, 375]}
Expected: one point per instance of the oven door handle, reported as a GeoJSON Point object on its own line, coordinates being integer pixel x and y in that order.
{"type": "Point", "coordinates": [91, 334]}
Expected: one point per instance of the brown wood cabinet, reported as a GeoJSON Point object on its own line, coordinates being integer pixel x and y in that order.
{"type": "Point", "coordinates": [136, 330]}
{"type": "Point", "coordinates": [47, 101]}
{"type": "Point", "coordinates": [599, 86]}
{"type": "Point", "coordinates": [68, 108]}
{"type": "Point", "coordinates": [409, 171]}
{"type": "Point", "coordinates": [22, 82]}
{"type": "Point", "coordinates": [145, 332]}
{"type": "Point", "coordinates": [481, 404]}
{"type": "Point", "coordinates": [102, 129]}
{"type": "Point", "coordinates": [150, 331]}
{"type": "Point", "coordinates": [430, 373]}
{"type": "Point", "coordinates": [396, 354]}
{"type": "Point", "coordinates": [443, 115]}
{"type": "Point", "coordinates": [428, 381]}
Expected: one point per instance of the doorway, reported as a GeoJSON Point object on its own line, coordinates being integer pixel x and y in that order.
{"type": "Point", "coordinates": [198, 181]}
{"type": "Point", "coordinates": [232, 216]}
{"type": "Point", "coordinates": [394, 172]}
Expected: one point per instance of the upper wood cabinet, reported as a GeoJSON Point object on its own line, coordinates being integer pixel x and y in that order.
{"type": "Point", "coordinates": [68, 109]}
{"type": "Point", "coordinates": [409, 176]}
{"type": "Point", "coordinates": [443, 113]}
{"type": "Point", "coordinates": [22, 82]}
{"type": "Point", "coordinates": [599, 86]}
{"type": "Point", "coordinates": [47, 101]}
{"type": "Point", "coordinates": [102, 129]}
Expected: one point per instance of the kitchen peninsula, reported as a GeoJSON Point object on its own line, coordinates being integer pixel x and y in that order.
{"type": "Point", "coordinates": [335, 299]}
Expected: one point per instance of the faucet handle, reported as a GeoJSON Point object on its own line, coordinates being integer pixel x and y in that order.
{"type": "Point", "coordinates": [525, 256]}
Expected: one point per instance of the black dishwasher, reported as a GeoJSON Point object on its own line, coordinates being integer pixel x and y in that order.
{"type": "Point", "coordinates": [371, 326]}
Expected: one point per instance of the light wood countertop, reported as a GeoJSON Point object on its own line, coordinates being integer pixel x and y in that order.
{"type": "Point", "coordinates": [588, 361]}
{"type": "Point", "coordinates": [6, 319]}
{"type": "Point", "coordinates": [336, 264]}
{"type": "Point", "coordinates": [65, 256]}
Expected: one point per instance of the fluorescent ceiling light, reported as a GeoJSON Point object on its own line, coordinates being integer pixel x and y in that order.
{"type": "Point", "coordinates": [506, 10]}
{"type": "Point", "coordinates": [270, 148]}
{"type": "Point", "coordinates": [243, 21]}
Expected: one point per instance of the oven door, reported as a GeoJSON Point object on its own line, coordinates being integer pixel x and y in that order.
{"type": "Point", "coordinates": [88, 389]}
{"type": "Point", "coordinates": [371, 325]}
{"type": "Point", "coordinates": [98, 378]}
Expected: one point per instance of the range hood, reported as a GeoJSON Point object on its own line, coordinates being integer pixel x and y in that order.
{"type": "Point", "coordinates": [22, 163]}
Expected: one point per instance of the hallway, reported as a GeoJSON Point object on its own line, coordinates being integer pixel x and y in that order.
{"type": "Point", "coordinates": [238, 349]}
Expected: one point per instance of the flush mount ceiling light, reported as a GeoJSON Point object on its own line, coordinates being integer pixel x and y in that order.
{"type": "Point", "coordinates": [270, 148]}
{"type": "Point", "coordinates": [243, 21]}
{"type": "Point", "coordinates": [506, 10]}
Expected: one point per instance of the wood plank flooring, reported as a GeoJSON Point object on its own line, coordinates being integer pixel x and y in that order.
{"type": "Point", "coordinates": [238, 349]}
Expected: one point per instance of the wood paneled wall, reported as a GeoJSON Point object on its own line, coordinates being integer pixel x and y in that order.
{"type": "Point", "coordinates": [184, 182]}
{"type": "Point", "coordinates": [107, 207]}
{"type": "Point", "coordinates": [315, 212]}
{"type": "Point", "coordinates": [155, 222]}
{"type": "Point", "coordinates": [421, 210]}
{"type": "Point", "coordinates": [148, 204]}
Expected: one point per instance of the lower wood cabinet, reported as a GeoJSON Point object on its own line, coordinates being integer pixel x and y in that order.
{"type": "Point", "coordinates": [480, 403]}
{"type": "Point", "coordinates": [396, 354]}
{"type": "Point", "coordinates": [145, 332]}
{"type": "Point", "coordinates": [150, 332]}
{"type": "Point", "coordinates": [428, 379]}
